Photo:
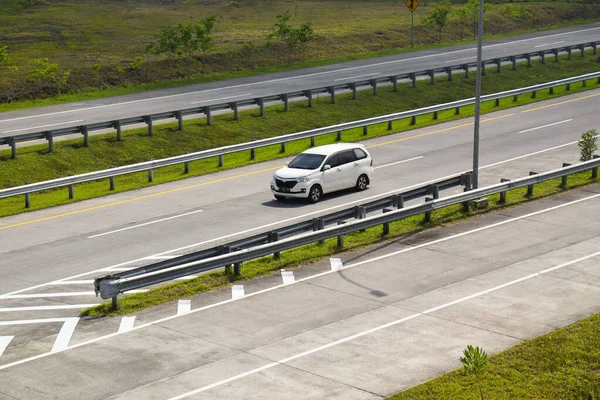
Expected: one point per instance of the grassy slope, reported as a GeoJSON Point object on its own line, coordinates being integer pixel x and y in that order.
{"type": "Point", "coordinates": [35, 164]}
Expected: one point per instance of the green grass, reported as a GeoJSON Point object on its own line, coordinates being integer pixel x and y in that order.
{"type": "Point", "coordinates": [75, 35]}
{"type": "Point", "coordinates": [564, 364]}
{"type": "Point", "coordinates": [35, 164]}
{"type": "Point", "coordinates": [312, 253]}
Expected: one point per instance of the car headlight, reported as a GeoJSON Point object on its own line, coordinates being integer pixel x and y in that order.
{"type": "Point", "coordinates": [303, 179]}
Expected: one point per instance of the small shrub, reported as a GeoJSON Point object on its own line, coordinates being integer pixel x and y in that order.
{"type": "Point", "coordinates": [588, 144]}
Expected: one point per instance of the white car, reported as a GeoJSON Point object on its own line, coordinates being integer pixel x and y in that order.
{"type": "Point", "coordinates": [324, 169]}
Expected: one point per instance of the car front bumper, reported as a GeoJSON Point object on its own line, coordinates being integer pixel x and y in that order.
{"type": "Point", "coordinates": [300, 190]}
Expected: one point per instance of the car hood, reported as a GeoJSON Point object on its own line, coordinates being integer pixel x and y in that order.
{"type": "Point", "coordinates": [288, 173]}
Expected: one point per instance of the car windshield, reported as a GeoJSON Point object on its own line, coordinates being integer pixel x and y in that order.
{"type": "Point", "coordinates": [307, 161]}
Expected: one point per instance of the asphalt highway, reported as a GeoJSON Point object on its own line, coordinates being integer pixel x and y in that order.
{"type": "Point", "coordinates": [86, 112]}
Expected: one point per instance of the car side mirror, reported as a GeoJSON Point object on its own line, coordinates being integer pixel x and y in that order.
{"type": "Point", "coordinates": [325, 168]}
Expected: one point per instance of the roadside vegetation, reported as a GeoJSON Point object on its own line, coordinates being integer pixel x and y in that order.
{"type": "Point", "coordinates": [34, 163]}
{"type": "Point", "coordinates": [55, 51]}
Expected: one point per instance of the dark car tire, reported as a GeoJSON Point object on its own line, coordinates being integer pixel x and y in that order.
{"type": "Point", "coordinates": [315, 193]}
{"type": "Point", "coordinates": [362, 182]}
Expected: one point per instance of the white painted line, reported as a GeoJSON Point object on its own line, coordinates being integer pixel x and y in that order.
{"type": "Point", "coordinates": [160, 257]}
{"type": "Point", "coordinates": [336, 264]}
{"type": "Point", "coordinates": [460, 59]}
{"type": "Point", "coordinates": [546, 126]}
{"type": "Point", "coordinates": [437, 55]}
{"type": "Point", "coordinates": [126, 324]}
{"type": "Point", "coordinates": [64, 336]}
{"type": "Point", "coordinates": [548, 44]}
{"type": "Point", "coordinates": [369, 331]}
{"type": "Point", "coordinates": [528, 155]}
{"type": "Point", "coordinates": [46, 308]}
{"type": "Point", "coordinates": [184, 306]}
{"type": "Point", "coordinates": [257, 293]}
{"type": "Point", "coordinates": [187, 277]}
{"type": "Point", "coordinates": [237, 292]}
{"type": "Point", "coordinates": [357, 76]}
{"type": "Point", "coordinates": [222, 98]}
{"type": "Point", "coordinates": [32, 321]}
{"type": "Point", "coordinates": [61, 294]}
{"type": "Point", "coordinates": [117, 269]}
{"type": "Point", "coordinates": [398, 162]}
{"type": "Point", "coordinates": [43, 126]}
{"type": "Point", "coordinates": [76, 282]}
{"type": "Point", "coordinates": [4, 342]}
{"type": "Point", "coordinates": [288, 277]}
{"type": "Point", "coordinates": [144, 224]}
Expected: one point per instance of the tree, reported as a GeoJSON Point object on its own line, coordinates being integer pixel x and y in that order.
{"type": "Point", "coordinates": [470, 12]}
{"type": "Point", "coordinates": [167, 42]}
{"type": "Point", "coordinates": [44, 71]}
{"type": "Point", "coordinates": [205, 40]}
{"type": "Point", "coordinates": [5, 59]}
{"type": "Point", "coordinates": [288, 35]}
{"type": "Point", "coordinates": [588, 144]}
{"type": "Point", "coordinates": [439, 16]}
{"type": "Point", "coordinates": [474, 363]}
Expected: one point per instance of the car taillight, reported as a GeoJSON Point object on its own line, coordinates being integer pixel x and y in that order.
{"type": "Point", "coordinates": [371, 162]}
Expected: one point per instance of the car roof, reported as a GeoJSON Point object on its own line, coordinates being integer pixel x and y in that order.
{"type": "Point", "coordinates": [332, 148]}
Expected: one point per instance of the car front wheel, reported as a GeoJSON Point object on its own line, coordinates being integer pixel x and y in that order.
{"type": "Point", "coordinates": [315, 194]}
{"type": "Point", "coordinates": [362, 182]}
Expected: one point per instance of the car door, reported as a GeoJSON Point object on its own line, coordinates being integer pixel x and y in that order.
{"type": "Point", "coordinates": [350, 168]}
{"type": "Point", "coordinates": [332, 178]}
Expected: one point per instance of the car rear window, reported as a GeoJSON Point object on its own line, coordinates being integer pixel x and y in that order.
{"type": "Point", "coordinates": [360, 154]}
{"type": "Point", "coordinates": [307, 161]}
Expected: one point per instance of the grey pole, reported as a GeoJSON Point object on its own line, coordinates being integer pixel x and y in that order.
{"type": "Point", "coordinates": [477, 99]}
{"type": "Point", "coordinates": [412, 29]}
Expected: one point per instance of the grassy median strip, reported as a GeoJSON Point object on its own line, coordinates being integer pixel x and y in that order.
{"type": "Point", "coordinates": [34, 163]}
{"type": "Point", "coordinates": [315, 252]}
{"type": "Point", "coordinates": [559, 365]}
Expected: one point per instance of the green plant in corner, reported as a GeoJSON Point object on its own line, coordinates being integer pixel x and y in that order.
{"type": "Point", "coordinates": [588, 144]}
{"type": "Point", "coordinates": [439, 17]}
{"type": "Point", "coordinates": [474, 363]}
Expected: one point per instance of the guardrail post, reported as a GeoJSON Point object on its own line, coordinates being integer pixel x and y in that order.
{"type": "Point", "coordinates": [584, 83]}
{"type": "Point", "coordinates": [530, 187]}
{"type": "Point", "coordinates": [595, 169]}
{"type": "Point", "coordinates": [503, 194]}
{"type": "Point", "coordinates": [466, 69]}
{"type": "Point", "coordinates": [582, 47]}
{"type": "Point", "coordinates": [365, 130]}
{"type": "Point", "coordinates": [221, 160]}
{"type": "Point", "coordinates": [27, 198]}
{"type": "Point", "coordinates": [513, 59]}
{"type": "Point", "coordinates": [148, 119]}
{"type": "Point", "coordinates": [340, 238]}
{"type": "Point", "coordinates": [360, 212]}
{"type": "Point", "coordinates": [457, 111]}
{"type": "Point", "coordinates": [551, 91]}
{"type": "Point", "coordinates": [399, 201]}
{"type": "Point", "coordinates": [374, 86]}
{"type": "Point", "coordinates": [321, 226]}
{"type": "Point", "coordinates": [234, 107]}
{"type": "Point", "coordinates": [84, 132]}
{"type": "Point", "coordinates": [483, 68]}
{"type": "Point", "coordinates": [431, 74]}
{"type": "Point", "coordinates": [115, 303]}
{"type": "Point", "coordinates": [13, 147]}
{"type": "Point", "coordinates": [286, 103]}
{"type": "Point", "coordinates": [569, 51]}
{"type": "Point", "coordinates": [390, 123]}
{"type": "Point", "coordinates": [435, 115]}
{"type": "Point", "coordinates": [434, 190]}
{"type": "Point", "coordinates": [309, 97]}
{"type": "Point", "coordinates": [594, 47]}
{"type": "Point", "coordinates": [498, 65]}
{"type": "Point", "coordinates": [528, 58]}
{"type": "Point", "coordinates": [111, 182]}
{"type": "Point", "coordinates": [497, 103]}
{"type": "Point", "coordinates": [466, 178]}
{"type": "Point", "coordinates": [339, 136]}
{"type": "Point", "coordinates": [386, 225]}
{"type": "Point", "coordinates": [394, 84]}
{"type": "Point", "coordinates": [312, 141]}
{"type": "Point", "coordinates": [542, 55]}
{"type": "Point", "coordinates": [427, 213]}
{"type": "Point", "coordinates": [332, 94]}
{"type": "Point", "coordinates": [413, 78]}
{"type": "Point", "coordinates": [71, 190]}
{"type": "Point", "coordinates": [533, 94]}
{"type": "Point", "coordinates": [261, 106]}
{"type": "Point", "coordinates": [449, 72]}
{"type": "Point", "coordinates": [515, 98]}
{"type": "Point", "coordinates": [413, 120]}
{"type": "Point", "coordinates": [568, 86]}
{"type": "Point", "coordinates": [274, 237]}
{"type": "Point", "coordinates": [186, 167]}
{"type": "Point", "coordinates": [150, 175]}
{"type": "Point", "coordinates": [207, 113]}
{"type": "Point", "coordinates": [179, 117]}
{"type": "Point", "coordinates": [353, 87]}
{"type": "Point", "coordinates": [117, 125]}
{"type": "Point", "coordinates": [563, 181]}
{"type": "Point", "coordinates": [252, 154]}
{"type": "Point", "coordinates": [50, 140]}
{"type": "Point", "coordinates": [282, 148]}
{"type": "Point", "coordinates": [555, 51]}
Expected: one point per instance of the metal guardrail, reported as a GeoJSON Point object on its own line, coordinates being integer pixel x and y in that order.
{"type": "Point", "coordinates": [252, 146]}
{"type": "Point", "coordinates": [112, 285]}
{"type": "Point", "coordinates": [84, 130]}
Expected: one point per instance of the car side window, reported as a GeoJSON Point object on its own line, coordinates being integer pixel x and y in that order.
{"type": "Point", "coordinates": [360, 154]}
{"type": "Point", "coordinates": [333, 161]}
{"type": "Point", "coordinates": [347, 157]}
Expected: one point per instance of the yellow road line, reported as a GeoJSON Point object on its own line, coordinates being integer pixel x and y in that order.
{"type": "Point", "coordinates": [438, 131]}
{"type": "Point", "coordinates": [135, 199]}
{"type": "Point", "coordinates": [562, 102]}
